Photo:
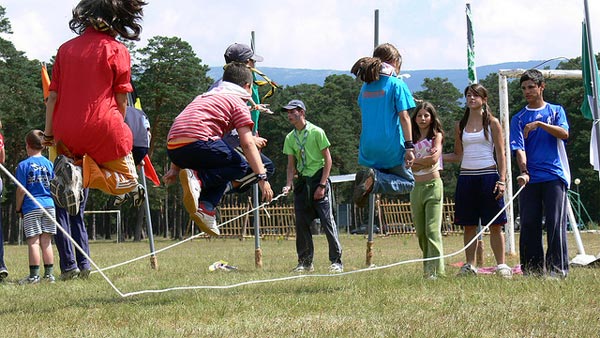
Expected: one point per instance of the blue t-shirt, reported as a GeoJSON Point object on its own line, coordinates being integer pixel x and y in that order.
{"type": "Point", "coordinates": [546, 154]}
{"type": "Point", "coordinates": [35, 174]}
{"type": "Point", "coordinates": [381, 138]}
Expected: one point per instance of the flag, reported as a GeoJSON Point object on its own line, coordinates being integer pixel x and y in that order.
{"type": "Point", "coordinates": [45, 82]}
{"type": "Point", "coordinates": [472, 72]}
{"type": "Point", "coordinates": [590, 74]}
{"type": "Point", "coordinates": [46, 90]}
{"type": "Point", "coordinates": [589, 107]}
{"type": "Point", "coordinates": [150, 172]}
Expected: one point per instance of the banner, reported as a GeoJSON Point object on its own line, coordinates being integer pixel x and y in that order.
{"type": "Point", "coordinates": [472, 72]}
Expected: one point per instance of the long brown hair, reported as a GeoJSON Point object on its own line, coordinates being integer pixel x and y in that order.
{"type": "Point", "coordinates": [435, 126]}
{"type": "Point", "coordinates": [480, 91]}
{"type": "Point", "coordinates": [367, 69]}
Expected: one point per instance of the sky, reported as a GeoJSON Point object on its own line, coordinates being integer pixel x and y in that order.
{"type": "Point", "coordinates": [333, 34]}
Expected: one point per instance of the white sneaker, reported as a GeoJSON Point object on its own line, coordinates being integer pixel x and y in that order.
{"type": "Point", "coordinates": [191, 190]}
{"type": "Point", "coordinates": [304, 268]}
{"type": "Point", "coordinates": [206, 221]}
{"type": "Point", "coordinates": [504, 270]}
{"type": "Point", "coordinates": [336, 268]}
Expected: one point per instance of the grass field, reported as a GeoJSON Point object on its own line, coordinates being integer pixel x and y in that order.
{"type": "Point", "coordinates": [393, 302]}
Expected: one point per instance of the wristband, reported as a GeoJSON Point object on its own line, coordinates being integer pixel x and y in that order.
{"type": "Point", "coordinates": [262, 177]}
{"type": "Point", "coordinates": [500, 183]}
{"type": "Point", "coordinates": [321, 186]}
{"type": "Point", "coordinates": [409, 145]}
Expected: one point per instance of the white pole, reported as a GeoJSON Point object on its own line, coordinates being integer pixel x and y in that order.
{"type": "Point", "coordinates": [504, 114]}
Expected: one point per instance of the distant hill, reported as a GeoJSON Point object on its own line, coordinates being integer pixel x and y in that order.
{"type": "Point", "coordinates": [458, 77]}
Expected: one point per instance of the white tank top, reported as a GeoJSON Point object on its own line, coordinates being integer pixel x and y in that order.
{"type": "Point", "coordinates": [478, 153]}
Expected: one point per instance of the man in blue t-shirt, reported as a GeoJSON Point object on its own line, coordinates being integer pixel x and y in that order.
{"type": "Point", "coordinates": [537, 137]}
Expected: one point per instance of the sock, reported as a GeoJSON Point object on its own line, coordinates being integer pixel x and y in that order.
{"type": "Point", "coordinates": [48, 269]}
{"type": "Point", "coordinates": [34, 270]}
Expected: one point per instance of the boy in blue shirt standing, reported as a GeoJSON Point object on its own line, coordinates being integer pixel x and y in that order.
{"type": "Point", "coordinates": [537, 137]}
{"type": "Point", "coordinates": [35, 174]}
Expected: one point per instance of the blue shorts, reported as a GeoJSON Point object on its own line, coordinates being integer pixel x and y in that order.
{"type": "Point", "coordinates": [475, 199]}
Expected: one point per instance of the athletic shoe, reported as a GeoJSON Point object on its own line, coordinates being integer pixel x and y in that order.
{"type": "Point", "coordinates": [3, 274]}
{"type": "Point", "coordinates": [29, 280]}
{"type": "Point", "coordinates": [49, 279]}
{"type": "Point", "coordinates": [363, 185]}
{"type": "Point", "coordinates": [191, 190]}
{"type": "Point", "coordinates": [304, 268]}
{"type": "Point", "coordinates": [206, 220]}
{"type": "Point", "coordinates": [336, 268]}
{"type": "Point", "coordinates": [467, 270]}
{"type": "Point", "coordinates": [70, 274]}
{"type": "Point", "coordinates": [138, 195]}
{"type": "Point", "coordinates": [504, 270]}
{"type": "Point", "coordinates": [67, 186]}
{"type": "Point", "coordinates": [119, 200]}
{"type": "Point", "coordinates": [84, 273]}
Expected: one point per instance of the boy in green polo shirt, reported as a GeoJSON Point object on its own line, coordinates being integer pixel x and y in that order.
{"type": "Point", "coordinates": [307, 148]}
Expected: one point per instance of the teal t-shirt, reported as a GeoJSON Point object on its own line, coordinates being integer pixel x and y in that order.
{"type": "Point", "coordinates": [381, 137]}
{"type": "Point", "coordinates": [307, 146]}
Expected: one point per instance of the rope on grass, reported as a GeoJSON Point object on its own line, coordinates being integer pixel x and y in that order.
{"type": "Point", "coordinates": [241, 284]}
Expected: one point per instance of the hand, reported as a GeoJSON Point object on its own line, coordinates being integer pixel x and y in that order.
{"type": "Point", "coordinates": [409, 157]}
{"type": "Point", "coordinates": [171, 176]}
{"type": "Point", "coordinates": [499, 190]}
{"type": "Point", "coordinates": [260, 142]}
{"type": "Point", "coordinates": [267, 192]}
{"type": "Point", "coordinates": [433, 150]}
{"type": "Point", "coordinates": [319, 193]}
{"type": "Point", "coordinates": [286, 190]}
{"type": "Point", "coordinates": [523, 179]}
{"type": "Point", "coordinates": [530, 127]}
{"type": "Point", "coordinates": [48, 140]}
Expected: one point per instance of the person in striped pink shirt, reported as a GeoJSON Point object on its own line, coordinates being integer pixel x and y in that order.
{"type": "Point", "coordinates": [204, 162]}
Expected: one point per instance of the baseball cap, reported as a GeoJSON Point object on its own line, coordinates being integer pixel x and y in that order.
{"type": "Point", "coordinates": [239, 52]}
{"type": "Point", "coordinates": [294, 104]}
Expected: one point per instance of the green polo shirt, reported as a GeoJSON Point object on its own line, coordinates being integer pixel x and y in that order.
{"type": "Point", "coordinates": [307, 146]}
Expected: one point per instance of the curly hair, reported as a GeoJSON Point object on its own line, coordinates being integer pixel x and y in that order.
{"type": "Point", "coordinates": [116, 17]}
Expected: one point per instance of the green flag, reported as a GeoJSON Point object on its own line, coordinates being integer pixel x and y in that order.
{"type": "Point", "coordinates": [472, 73]}
{"type": "Point", "coordinates": [590, 74]}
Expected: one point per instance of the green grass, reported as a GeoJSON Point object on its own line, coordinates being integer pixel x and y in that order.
{"type": "Point", "coordinates": [394, 302]}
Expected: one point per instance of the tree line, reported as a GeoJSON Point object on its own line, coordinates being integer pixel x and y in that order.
{"type": "Point", "coordinates": [168, 74]}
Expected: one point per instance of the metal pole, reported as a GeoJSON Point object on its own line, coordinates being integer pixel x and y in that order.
{"type": "Point", "coordinates": [376, 36]}
{"type": "Point", "coordinates": [255, 202]}
{"type": "Point", "coordinates": [370, 229]}
{"type": "Point", "coordinates": [153, 261]}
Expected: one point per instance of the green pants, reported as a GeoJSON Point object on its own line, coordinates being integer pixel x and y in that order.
{"type": "Point", "coordinates": [426, 202]}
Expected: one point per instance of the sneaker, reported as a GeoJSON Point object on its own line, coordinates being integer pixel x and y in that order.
{"type": "Point", "coordinates": [504, 270]}
{"type": "Point", "coordinates": [206, 220]}
{"type": "Point", "coordinates": [363, 185]}
{"type": "Point", "coordinates": [304, 268]}
{"type": "Point", "coordinates": [119, 200]}
{"type": "Point", "coordinates": [70, 274]}
{"type": "Point", "coordinates": [67, 185]}
{"type": "Point", "coordinates": [138, 195]}
{"type": "Point", "coordinates": [3, 274]}
{"type": "Point", "coordinates": [84, 273]}
{"type": "Point", "coordinates": [336, 268]}
{"type": "Point", "coordinates": [191, 190]}
{"type": "Point", "coordinates": [467, 270]}
{"type": "Point", "coordinates": [49, 279]}
{"type": "Point", "coordinates": [29, 280]}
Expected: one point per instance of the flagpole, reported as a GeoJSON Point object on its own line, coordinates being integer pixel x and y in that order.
{"type": "Point", "coordinates": [591, 58]}
{"type": "Point", "coordinates": [258, 263]}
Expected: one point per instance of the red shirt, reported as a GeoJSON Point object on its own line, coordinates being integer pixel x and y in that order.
{"type": "Point", "coordinates": [210, 117]}
{"type": "Point", "coordinates": [87, 73]}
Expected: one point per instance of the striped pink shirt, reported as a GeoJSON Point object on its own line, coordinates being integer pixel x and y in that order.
{"type": "Point", "coordinates": [209, 117]}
